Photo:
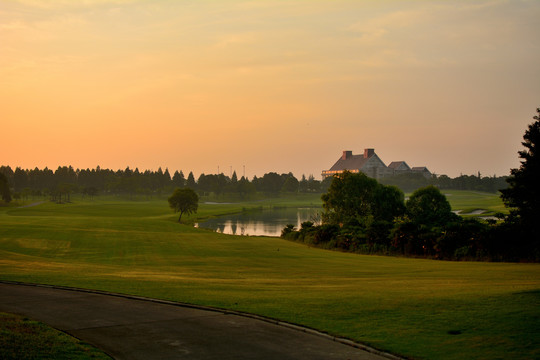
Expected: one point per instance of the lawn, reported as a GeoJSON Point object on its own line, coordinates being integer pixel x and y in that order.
{"type": "Point", "coordinates": [473, 201]}
{"type": "Point", "coordinates": [414, 307]}
{"type": "Point", "coordinates": [24, 339]}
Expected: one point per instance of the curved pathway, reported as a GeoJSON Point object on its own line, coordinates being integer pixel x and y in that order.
{"type": "Point", "coordinates": [127, 327]}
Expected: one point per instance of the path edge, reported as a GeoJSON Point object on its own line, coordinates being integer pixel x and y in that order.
{"type": "Point", "coordinates": [296, 327]}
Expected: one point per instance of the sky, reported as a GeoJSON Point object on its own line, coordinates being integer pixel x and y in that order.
{"type": "Point", "coordinates": [267, 86]}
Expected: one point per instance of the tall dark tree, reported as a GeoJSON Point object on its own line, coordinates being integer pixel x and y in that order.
{"type": "Point", "coordinates": [4, 188]}
{"type": "Point", "coordinates": [178, 179]}
{"type": "Point", "coordinates": [290, 185]}
{"type": "Point", "coordinates": [270, 183]}
{"type": "Point", "coordinates": [303, 184]}
{"type": "Point", "coordinates": [245, 188]}
{"type": "Point", "coordinates": [190, 182]}
{"type": "Point", "coordinates": [523, 195]}
{"type": "Point", "coordinates": [184, 201]}
{"type": "Point", "coordinates": [20, 179]}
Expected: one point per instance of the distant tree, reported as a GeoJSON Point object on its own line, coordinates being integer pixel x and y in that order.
{"type": "Point", "coordinates": [313, 185]}
{"type": "Point", "coordinates": [179, 179]}
{"type": "Point", "coordinates": [90, 191]}
{"type": "Point", "coordinates": [205, 183]}
{"type": "Point", "coordinates": [220, 183]}
{"type": "Point", "coordinates": [303, 184]}
{"type": "Point", "coordinates": [290, 185]}
{"type": "Point", "coordinates": [245, 188]}
{"type": "Point", "coordinates": [8, 172]}
{"type": "Point", "coordinates": [166, 179]}
{"type": "Point", "coordinates": [270, 183]}
{"type": "Point", "coordinates": [407, 181]}
{"type": "Point", "coordinates": [4, 188]}
{"type": "Point", "coordinates": [20, 179]}
{"type": "Point", "coordinates": [190, 182]}
{"type": "Point", "coordinates": [184, 201]}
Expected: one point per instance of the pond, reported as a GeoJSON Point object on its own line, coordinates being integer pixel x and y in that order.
{"type": "Point", "coordinates": [261, 222]}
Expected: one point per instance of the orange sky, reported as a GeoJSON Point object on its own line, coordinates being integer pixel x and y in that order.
{"type": "Point", "coordinates": [273, 85]}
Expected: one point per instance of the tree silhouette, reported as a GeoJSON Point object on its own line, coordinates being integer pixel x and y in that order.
{"type": "Point", "coordinates": [523, 195]}
{"type": "Point", "coordinates": [184, 201]}
{"type": "Point", "coordinates": [4, 188]}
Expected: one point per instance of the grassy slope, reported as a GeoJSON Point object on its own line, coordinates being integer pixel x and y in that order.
{"type": "Point", "coordinates": [468, 201]}
{"type": "Point", "coordinates": [420, 308]}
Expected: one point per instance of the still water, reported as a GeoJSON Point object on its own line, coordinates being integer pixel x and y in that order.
{"type": "Point", "coordinates": [261, 222]}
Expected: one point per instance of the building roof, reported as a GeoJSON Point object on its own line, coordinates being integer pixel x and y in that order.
{"type": "Point", "coordinates": [350, 163]}
{"type": "Point", "coordinates": [396, 164]}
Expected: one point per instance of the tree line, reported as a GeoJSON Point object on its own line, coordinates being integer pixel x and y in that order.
{"type": "Point", "coordinates": [409, 182]}
{"type": "Point", "coordinates": [65, 180]}
{"type": "Point", "coordinates": [364, 216]}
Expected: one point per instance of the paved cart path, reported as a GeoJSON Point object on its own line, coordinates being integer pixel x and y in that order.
{"type": "Point", "coordinates": [137, 328]}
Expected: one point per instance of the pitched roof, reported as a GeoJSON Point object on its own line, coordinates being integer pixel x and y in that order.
{"type": "Point", "coordinates": [350, 163]}
{"type": "Point", "coordinates": [396, 164]}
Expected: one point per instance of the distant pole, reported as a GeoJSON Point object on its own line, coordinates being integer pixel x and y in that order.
{"type": "Point", "coordinates": [244, 171]}
{"type": "Point", "coordinates": [230, 172]}
{"type": "Point", "coordinates": [218, 169]}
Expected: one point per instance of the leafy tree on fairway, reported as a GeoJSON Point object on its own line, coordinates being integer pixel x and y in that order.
{"type": "Point", "coordinates": [184, 201]}
{"type": "Point", "coordinates": [429, 206]}
{"type": "Point", "coordinates": [350, 196]}
{"type": "Point", "coordinates": [389, 202]}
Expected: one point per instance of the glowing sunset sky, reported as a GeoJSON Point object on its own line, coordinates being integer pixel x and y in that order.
{"type": "Point", "coordinates": [273, 85]}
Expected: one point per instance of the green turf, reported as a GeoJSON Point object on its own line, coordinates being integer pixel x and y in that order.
{"type": "Point", "coordinates": [24, 339]}
{"type": "Point", "coordinates": [471, 201]}
{"type": "Point", "coordinates": [414, 307]}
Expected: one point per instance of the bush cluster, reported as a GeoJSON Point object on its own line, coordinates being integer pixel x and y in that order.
{"type": "Point", "coordinates": [360, 215]}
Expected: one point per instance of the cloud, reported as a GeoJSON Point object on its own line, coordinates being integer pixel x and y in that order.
{"type": "Point", "coordinates": [235, 39]}
{"type": "Point", "coordinates": [49, 4]}
{"type": "Point", "coordinates": [372, 29]}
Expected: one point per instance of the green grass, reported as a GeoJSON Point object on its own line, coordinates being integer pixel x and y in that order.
{"type": "Point", "coordinates": [418, 308]}
{"type": "Point", "coordinates": [22, 339]}
{"type": "Point", "coordinates": [470, 201]}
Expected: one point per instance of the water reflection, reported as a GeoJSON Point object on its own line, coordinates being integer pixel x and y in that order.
{"type": "Point", "coordinates": [261, 223]}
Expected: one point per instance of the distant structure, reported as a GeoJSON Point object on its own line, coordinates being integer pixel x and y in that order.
{"type": "Point", "coordinates": [370, 164]}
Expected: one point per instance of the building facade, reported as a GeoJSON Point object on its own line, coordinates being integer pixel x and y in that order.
{"type": "Point", "coordinates": [370, 164]}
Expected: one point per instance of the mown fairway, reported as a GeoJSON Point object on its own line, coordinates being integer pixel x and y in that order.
{"type": "Point", "coordinates": [470, 201]}
{"type": "Point", "coordinates": [417, 308]}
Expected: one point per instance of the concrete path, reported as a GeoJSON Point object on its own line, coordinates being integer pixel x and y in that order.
{"type": "Point", "coordinates": [137, 328]}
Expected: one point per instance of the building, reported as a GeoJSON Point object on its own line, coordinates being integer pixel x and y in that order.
{"type": "Point", "coordinates": [370, 164]}
{"type": "Point", "coordinates": [399, 167]}
{"type": "Point", "coordinates": [422, 170]}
